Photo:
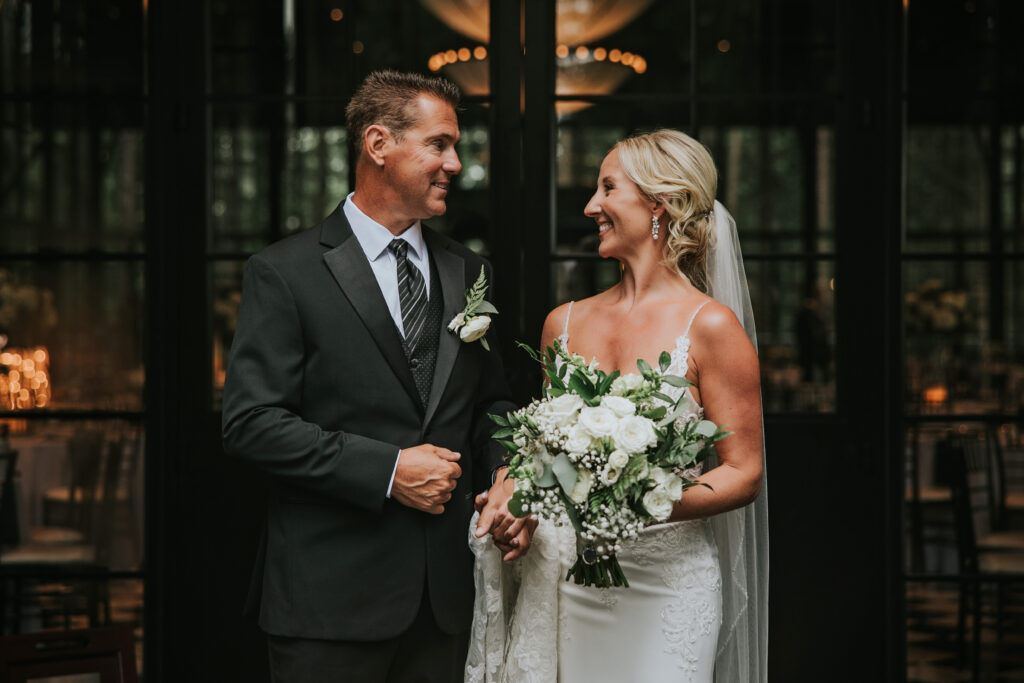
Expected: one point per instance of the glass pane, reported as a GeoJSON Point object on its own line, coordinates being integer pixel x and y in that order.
{"type": "Point", "coordinates": [964, 344]}
{"type": "Point", "coordinates": [948, 188]}
{"type": "Point", "coordinates": [575, 280]}
{"type": "Point", "coordinates": [794, 307]}
{"type": "Point", "coordinates": [301, 151]}
{"type": "Point", "coordinates": [60, 47]}
{"type": "Point", "coordinates": [625, 47]}
{"type": "Point", "coordinates": [766, 175]}
{"type": "Point", "coordinates": [226, 295]}
{"type": "Point", "coordinates": [73, 178]}
{"type": "Point", "coordinates": [73, 333]}
{"type": "Point", "coordinates": [749, 46]}
{"type": "Point", "coordinates": [63, 470]}
{"type": "Point", "coordinates": [1012, 188]}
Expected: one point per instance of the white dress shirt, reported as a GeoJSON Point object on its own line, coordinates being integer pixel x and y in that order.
{"type": "Point", "coordinates": [374, 239]}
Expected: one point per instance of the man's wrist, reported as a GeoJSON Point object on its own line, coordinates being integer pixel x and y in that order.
{"type": "Point", "coordinates": [494, 472]}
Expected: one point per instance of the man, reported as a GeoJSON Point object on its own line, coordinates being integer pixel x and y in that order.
{"type": "Point", "coordinates": [368, 416]}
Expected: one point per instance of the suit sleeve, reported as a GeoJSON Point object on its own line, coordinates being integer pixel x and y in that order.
{"type": "Point", "coordinates": [262, 421]}
{"type": "Point", "coordinates": [493, 397]}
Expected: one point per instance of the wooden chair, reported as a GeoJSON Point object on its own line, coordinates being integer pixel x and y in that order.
{"type": "Point", "coordinates": [105, 654]}
{"type": "Point", "coordinates": [74, 571]}
{"type": "Point", "coordinates": [980, 566]}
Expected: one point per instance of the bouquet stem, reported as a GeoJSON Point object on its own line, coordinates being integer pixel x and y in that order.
{"type": "Point", "coordinates": [603, 573]}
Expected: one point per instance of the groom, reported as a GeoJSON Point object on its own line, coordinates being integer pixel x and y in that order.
{"type": "Point", "coordinates": [367, 415]}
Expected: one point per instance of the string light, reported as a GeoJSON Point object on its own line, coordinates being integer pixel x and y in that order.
{"type": "Point", "coordinates": [26, 382]}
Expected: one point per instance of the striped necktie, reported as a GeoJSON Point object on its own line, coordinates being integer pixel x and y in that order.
{"type": "Point", "coordinates": [412, 294]}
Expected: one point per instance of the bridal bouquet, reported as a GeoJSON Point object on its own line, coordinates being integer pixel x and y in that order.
{"type": "Point", "coordinates": [606, 451]}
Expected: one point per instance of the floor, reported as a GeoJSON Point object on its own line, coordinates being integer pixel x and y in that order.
{"type": "Point", "coordinates": [932, 648]}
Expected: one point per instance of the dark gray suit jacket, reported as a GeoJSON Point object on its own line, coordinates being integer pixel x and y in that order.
{"type": "Point", "coordinates": [319, 396]}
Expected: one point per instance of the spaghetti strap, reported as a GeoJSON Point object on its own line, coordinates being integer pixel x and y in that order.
{"type": "Point", "coordinates": [692, 318]}
{"type": "Point", "coordinates": [565, 329]}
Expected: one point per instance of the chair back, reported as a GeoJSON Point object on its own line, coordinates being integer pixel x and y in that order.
{"type": "Point", "coordinates": [951, 451]}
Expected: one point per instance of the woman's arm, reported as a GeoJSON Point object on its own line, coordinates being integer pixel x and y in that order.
{"type": "Point", "coordinates": [728, 379]}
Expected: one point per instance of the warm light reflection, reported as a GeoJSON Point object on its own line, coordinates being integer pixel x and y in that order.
{"type": "Point", "coordinates": [935, 395]}
{"type": "Point", "coordinates": [24, 378]}
{"type": "Point", "coordinates": [337, 14]}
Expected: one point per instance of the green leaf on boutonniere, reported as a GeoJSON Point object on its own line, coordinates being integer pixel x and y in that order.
{"type": "Point", "coordinates": [486, 307]}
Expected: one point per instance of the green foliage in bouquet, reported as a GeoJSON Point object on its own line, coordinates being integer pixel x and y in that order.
{"type": "Point", "coordinates": [604, 451]}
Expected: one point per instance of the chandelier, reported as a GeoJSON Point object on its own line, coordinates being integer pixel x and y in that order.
{"type": "Point", "coordinates": [582, 67]}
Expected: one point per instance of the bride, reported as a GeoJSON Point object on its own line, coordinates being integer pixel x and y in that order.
{"type": "Point", "coordinates": [696, 608]}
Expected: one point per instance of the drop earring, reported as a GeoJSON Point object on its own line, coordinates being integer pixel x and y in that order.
{"type": "Point", "coordinates": [655, 226]}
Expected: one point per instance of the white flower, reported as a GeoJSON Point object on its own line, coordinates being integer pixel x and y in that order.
{"type": "Point", "coordinates": [579, 440]}
{"type": "Point", "coordinates": [626, 383]}
{"type": "Point", "coordinates": [598, 421]}
{"type": "Point", "coordinates": [457, 322]}
{"type": "Point", "coordinates": [618, 405]}
{"type": "Point", "coordinates": [674, 488]}
{"type": "Point", "coordinates": [563, 408]}
{"type": "Point", "coordinates": [618, 459]}
{"type": "Point", "coordinates": [635, 433]}
{"type": "Point", "coordinates": [660, 475]}
{"type": "Point", "coordinates": [475, 328]}
{"type": "Point", "coordinates": [610, 475]}
{"type": "Point", "coordinates": [658, 503]}
{"type": "Point", "coordinates": [584, 482]}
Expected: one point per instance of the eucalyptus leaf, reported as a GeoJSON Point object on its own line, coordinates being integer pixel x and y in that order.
{"type": "Point", "coordinates": [676, 381]}
{"type": "Point", "coordinates": [565, 472]}
{"type": "Point", "coordinates": [664, 397]}
{"type": "Point", "coordinates": [571, 512]}
{"type": "Point", "coordinates": [644, 366]}
{"type": "Point", "coordinates": [547, 477]}
{"type": "Point", "coordinates": [498, 420]}
{"type": "Point", "coordinates": [706, 428]}
{"type": "Point", "coordinates": [664, 360]}
{"type": "Point", "coordinates": [486, 307]}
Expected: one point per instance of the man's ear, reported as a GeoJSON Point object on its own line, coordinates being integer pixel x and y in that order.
{"type": "Point", "coordinates": [375, 141]}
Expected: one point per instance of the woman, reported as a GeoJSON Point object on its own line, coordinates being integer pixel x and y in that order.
{"type": "Point", "coordinates": [695, 608]}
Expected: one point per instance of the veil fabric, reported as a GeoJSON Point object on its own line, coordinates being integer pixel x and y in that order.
{"type": "Point", "coordinates": [741, 534]}
{"type": "Point", "coordinates": [514, 636]}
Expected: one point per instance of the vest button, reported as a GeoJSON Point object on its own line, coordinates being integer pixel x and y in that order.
{"type": "Point", "coordinates": [414, 363]}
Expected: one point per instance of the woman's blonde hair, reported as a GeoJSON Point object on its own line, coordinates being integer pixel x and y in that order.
{"type": "Point", "coordinates": [675, 170]}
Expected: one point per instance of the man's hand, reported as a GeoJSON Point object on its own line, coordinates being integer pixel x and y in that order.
{"type": "Point", "coordinates": [425, 477]}
{"type": "Point", "coordinates": [511, 534]}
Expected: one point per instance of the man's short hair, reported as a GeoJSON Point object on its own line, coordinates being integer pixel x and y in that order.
{"type": "Point", "coordinates": [388, 98]}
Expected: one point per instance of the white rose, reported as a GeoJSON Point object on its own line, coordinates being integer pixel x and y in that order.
{"type": "Point", "coordinates": [475, 328]}
{"type": "Point", "coordinates": [626, 383]}
{"type": "Point", "coordinates": [658, 503]}
{"type": "Point", "coordinates": [579, 440]}
{"type": "Point", "coordinates": [562, 408]}
{"type": "Point", "coordinates": [660, 475]}
{"type": "Point", "coordinates": [618, 459]}
{"type": "Point", "coordinates": [457, 322]}
{"type": "Point", "coordinates": [674, 488]}
{"type": "Point", "coordinates": [635, 433]}
{"type": "Point", "coordinates": [618, 405]}
{"type": "Point", "coordinates": [610, 475]}
{"type": "Point", "coordinates": [598, 421]}
{"type": "Point", "coordinates": [584, 482]}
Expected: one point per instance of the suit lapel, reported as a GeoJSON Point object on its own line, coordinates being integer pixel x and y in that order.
{"type": "Point", "coordinates": [451, 270]}
{"type": "Point", "coordinates": [347, 263]}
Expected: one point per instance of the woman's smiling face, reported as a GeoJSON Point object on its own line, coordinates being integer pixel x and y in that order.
{"type": "Point", "coordinates": [622, 213]}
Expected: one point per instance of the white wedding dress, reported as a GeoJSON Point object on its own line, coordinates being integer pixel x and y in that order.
{"type": "Point", "coordinates": [663, 627]}
{"type": "Point", "coordinates": [697, 606]}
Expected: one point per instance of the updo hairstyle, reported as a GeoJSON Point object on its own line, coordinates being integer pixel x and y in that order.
{"type": "Point", "coordinates": [675, 170]}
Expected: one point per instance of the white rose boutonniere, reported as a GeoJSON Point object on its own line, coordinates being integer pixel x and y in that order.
{"type": "Point", "coordinates": [475, 319]}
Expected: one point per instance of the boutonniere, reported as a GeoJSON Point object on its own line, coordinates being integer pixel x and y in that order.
{"type": "Point", "coordinates": [473, 322]}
